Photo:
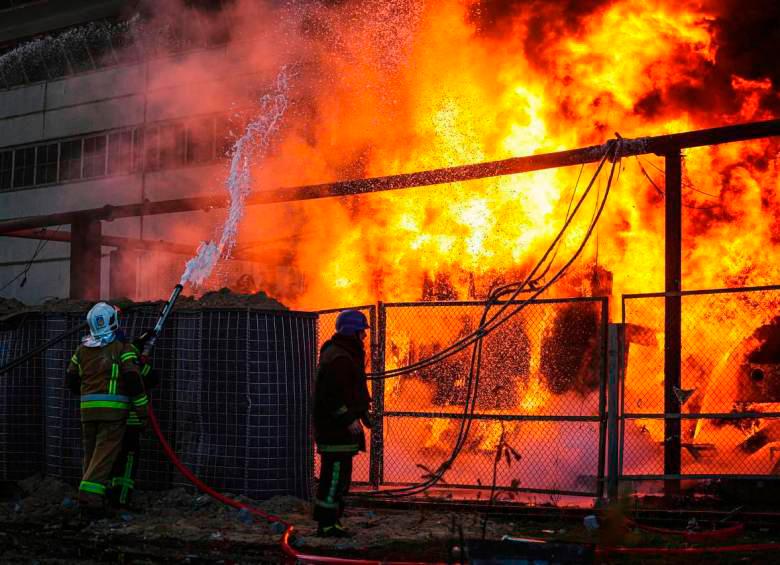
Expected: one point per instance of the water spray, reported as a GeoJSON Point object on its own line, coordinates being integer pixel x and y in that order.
{"type": "Point", "coordinates": [252, 146]}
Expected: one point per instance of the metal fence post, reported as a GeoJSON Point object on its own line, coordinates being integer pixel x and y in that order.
{"type": "Point", "coordinates": [379, 325]}
{"type": "Point", "coordinates": [672, 320]}
{"type": "Point", "coordinates": [603, 368]}
{"type": "Point", "coordinates": [616, 334]}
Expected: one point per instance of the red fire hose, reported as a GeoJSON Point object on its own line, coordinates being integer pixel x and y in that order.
{"type": "Point", "coordinates": [689, 536]}
{"type": "Point", "coordinates": [290, 553]}
{"type": "Point", "coordinates": [744, 548]}
{"type": "Point", "coordinates": [293, 556]}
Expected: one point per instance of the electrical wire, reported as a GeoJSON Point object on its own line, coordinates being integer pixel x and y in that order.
{"type": "Point", "coordinates": [472, 384]}
{"type": "Point", "coordinates": [519, 287]}
{"type": "Point", "coordinates": [42, 243]}
{"type": "Point", "coordinates": [687, 184]}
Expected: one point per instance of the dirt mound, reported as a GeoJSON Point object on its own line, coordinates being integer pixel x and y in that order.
{"type": "Point", "coordinates": [63, 305]}
{"type": "Point", "coordinates": [226, 298]}
{"type": "Point", "coordinates": [223, 298]}
{"type": "Point", "coordinates": [36, 497]}
{"type": "Point", "coordinates": [10, 306]}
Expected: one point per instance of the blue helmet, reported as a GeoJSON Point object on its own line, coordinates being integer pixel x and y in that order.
{"type": "Point", "coordinates": [350, 322]}
{"type": "Point", "coordinates": [103, 322]}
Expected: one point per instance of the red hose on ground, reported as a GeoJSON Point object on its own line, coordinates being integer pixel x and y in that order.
{"type": "Point", "coordinates": [296, 556]}
{"type": "Point", "coordinates": [287, 549]}
{"type": "Point", "coordinates": [746, 548]}
{"type": "Point", "coordinates": [693, 537]}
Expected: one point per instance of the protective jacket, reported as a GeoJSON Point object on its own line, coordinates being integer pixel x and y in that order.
{"type": "Point", "coordinates": [108, 380]}
{"type": "Point", "coordinates": [340, 395]}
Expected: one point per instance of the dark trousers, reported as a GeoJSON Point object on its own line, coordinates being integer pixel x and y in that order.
{"type": "Point", "coordinates": [102, 443]}
{"type": "Point", "coordinates": [335, 477]}
{"type": "Point", "coordinates": [125, 467]}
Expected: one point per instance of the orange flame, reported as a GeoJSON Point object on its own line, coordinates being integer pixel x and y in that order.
{"type": "Point", "coordinates": [390, 87]}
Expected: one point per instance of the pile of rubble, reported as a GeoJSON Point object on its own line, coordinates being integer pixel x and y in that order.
{"type": "Point", "coordinates": [220, 299]}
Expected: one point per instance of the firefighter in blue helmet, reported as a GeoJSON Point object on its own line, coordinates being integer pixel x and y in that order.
{"type": "Point", "coordinates": [104, 372]}
{"type": "Point", "coordinates": [341, 404]}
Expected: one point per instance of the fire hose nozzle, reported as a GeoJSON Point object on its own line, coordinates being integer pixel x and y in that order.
{"type": "Point", "coordinates": [164, 313]}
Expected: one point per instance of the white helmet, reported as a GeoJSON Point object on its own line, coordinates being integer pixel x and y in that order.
{"type": "Point", "coordinates": [103, 322]}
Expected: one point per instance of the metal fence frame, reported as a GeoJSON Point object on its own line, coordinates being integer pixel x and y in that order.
{"type": "Point", "coordinates": [378, 338]}
{"type": "Point", "coordinates": [623, 416]}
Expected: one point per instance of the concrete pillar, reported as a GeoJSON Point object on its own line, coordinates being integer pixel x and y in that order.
{"type": "Point", "coordinates": [85, 259]}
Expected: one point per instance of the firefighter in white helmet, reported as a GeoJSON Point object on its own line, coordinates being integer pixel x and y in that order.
{"type": "Point", "coordinates": [105, 373]}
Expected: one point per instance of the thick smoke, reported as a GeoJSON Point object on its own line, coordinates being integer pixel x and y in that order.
{"type": "Point", "coordinates": [546, 19]}
{"type": "Point", "coordinates": [746, 36]}
{"type": "Point", "coordinates": [384, 87]}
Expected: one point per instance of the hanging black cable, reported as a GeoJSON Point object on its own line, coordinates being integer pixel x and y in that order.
{"type": "Point", "coordinates": [472, 384]}
{"type": "Point", "coordinates": [462, 343]}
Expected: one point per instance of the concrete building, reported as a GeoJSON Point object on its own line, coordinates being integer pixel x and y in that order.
{"type": "Point", "coordinates": [79, 129]}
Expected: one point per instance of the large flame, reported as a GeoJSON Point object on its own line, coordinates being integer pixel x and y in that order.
{"type": "Point", "coordinates": [389, 87]}
{"type": "Point", "coordinates": [448, 92]}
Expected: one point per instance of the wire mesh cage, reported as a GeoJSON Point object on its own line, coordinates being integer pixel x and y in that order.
{"type": "Point", "coordinates": [233, 399]}
{"type": "Point", "coordinates": [21, 400]}
{"type": "Point", "coordinates": [246, 427]}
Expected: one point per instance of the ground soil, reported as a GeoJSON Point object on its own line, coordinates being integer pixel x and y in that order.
{"type": "Point", "coordinates": [40, 523]}
{"type": "Point", "coordinates": [39, 520]}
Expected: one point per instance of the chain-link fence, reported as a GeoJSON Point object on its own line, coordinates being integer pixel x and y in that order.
{"type": "Point", "coordinates": [233, 401]}
{"type": "Point", "coordinates": [729, 386]}
{"type": "Point", "coordinates": [539, 401]}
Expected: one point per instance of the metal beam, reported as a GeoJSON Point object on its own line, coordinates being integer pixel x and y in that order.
{"type": "Point", "coordinates": [108, 241]}
{"type": "Point", "coordinates": [640, 146]}
{"type": "Point", "coordinates": [128, 243]}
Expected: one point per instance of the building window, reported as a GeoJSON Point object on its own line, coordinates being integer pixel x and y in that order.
{"type": "Point", "coordinates": [200, 141]}
{"type": "Point", "coordinates": [138, 149]}
{"type": "Point", "coordinates": [24, 167]}
{"type": "Point", "coordinates": [171, 145]}
{"type": "Point", "coordinates": [46, 168]}
{"type": "Point", "coordinates": [152, 148]}
{"type": "Point", "coordinates": [120, 152]}
{"type": "Point", "coordinates": [224, 139]}
{"type": "Point", "coordinates": [6, 169]}
{"type": "Point", "coordinates": [70, 160]}
{"type": "Point", "coordinates": [95, 156]}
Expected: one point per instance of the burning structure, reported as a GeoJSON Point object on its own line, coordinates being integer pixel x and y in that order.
{"type": "Point", "coordinates": [518, 84]}
{"type": "Point", "coordinates": [389, 88]}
